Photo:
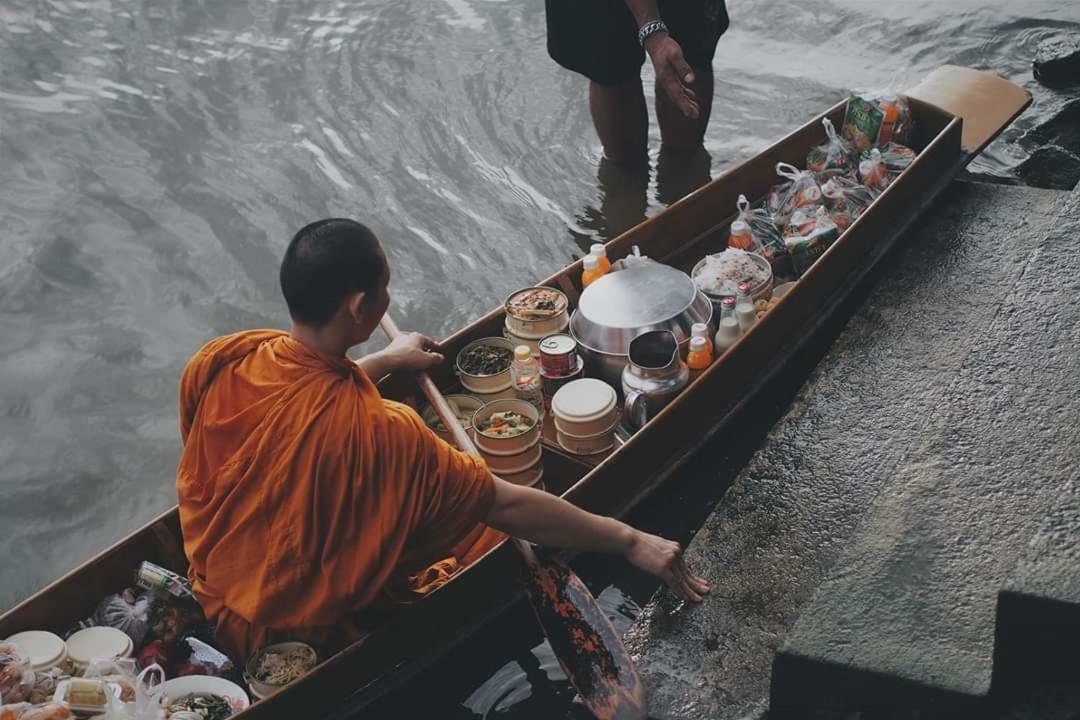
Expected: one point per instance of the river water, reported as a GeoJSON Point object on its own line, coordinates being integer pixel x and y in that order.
{"type": "Point", "coordinates": [157, 156]}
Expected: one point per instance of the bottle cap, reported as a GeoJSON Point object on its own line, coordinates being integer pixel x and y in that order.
{"type": "Point", "coordinates": [739, 227]}
{"type": "Point", "coordinates": [875, 155]}
{"type": "Point", "coordinates": [598, 250]}
{"type": "Point", "coordinates": [591, 262]}
{"type": "Point", "coordinates": [728, 303]}
{"type": "Point", "coordinates": [743, 288]}
{"type": "Point", "coordinates": [522, 352]}
{"type": "Point", "coordinates": [697, 344]}
{"type": "Point", "coordinates": [866, 168]}
{"type": "Point", "coordinates": [699, 330]}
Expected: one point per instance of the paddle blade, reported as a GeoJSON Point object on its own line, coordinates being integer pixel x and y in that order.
{"type": "Point", "coordinates": [585, 642]}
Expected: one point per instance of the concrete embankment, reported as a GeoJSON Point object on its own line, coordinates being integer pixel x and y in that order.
{"type": "Point", "coordinates": [915, 510]}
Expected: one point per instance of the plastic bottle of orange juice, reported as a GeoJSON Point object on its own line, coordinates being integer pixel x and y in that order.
{"type": "Point", "coordinates": [740, 236]}
{"type": "Point", "coordinates": [700, 355]}
{"type": "Point", "coordinates": [600, 252]}
{"type": "Point", "coordinates": [592, 270]}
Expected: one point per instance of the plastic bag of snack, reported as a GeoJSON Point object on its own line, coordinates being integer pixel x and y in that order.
{"type": "Point", "coordinates": [118, 672]}
{"type": "Point", "coordinates": [768, 240]}
{"type": "Point", "coordinates": [846, 200]}
{"type": "Point", "coordinates": [805, 249]}
{"type": "Point", "coordinates": [45, 683]}
{"type": "Point", "coordinates": [126, 613]}
{"type": "Point", "coordinates": [14, 712]}
{"type": "Point", "coordinates": [800, 190]}
{"type": "Point", "coordinates": [835, 155]}
{"type": "Point", "coordinates": [48, 711]}
{"type": "Point", "coordinates": [873, 173]}
{"type": "Point", "coordinates": [16, 675]}
{"type": "Point", "coordinates": [896, 157]}
{"type": "Point", "coordinates": [870, 121]}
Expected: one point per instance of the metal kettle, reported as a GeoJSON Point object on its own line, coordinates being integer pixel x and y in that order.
{"type": "Point", "coordinates": [653, 377]}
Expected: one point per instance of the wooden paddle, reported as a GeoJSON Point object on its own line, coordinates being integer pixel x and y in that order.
{"type": "Point", "coordinates": [588, 648]}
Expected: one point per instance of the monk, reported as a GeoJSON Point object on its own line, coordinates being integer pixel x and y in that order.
{"type": "Point", "coordinates": [308, 502]}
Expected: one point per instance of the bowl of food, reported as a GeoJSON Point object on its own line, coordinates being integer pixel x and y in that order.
{"type": "Point", "coordinates": [275, 666]}
{"type": "Point", "coordinates": [535, 312]}
{"type": "Point", "coordinates": [506, 427]}
{"type": "Point", "coordinates": [719, 275]}
{"type": "Point", "coordinates": [484, 365]}
{"type": "Point", "coordinates": [463, 407]}
{"type": "Point", "coordinates": [213, 698]}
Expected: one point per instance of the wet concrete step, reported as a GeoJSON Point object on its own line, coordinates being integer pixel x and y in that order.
{"type": "Point", "coordinates": [940, 307]}
{"type": "Point", "coordinates": [907, 617]}
{"type": "Point", "coordinates": [1038, 611]}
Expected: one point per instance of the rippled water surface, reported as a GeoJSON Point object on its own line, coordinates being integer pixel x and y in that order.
{"type": "Point", "coordinates": [157, 156]}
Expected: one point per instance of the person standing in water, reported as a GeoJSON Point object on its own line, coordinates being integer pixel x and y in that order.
{"type": "Point", "coordinates": [607, 40]}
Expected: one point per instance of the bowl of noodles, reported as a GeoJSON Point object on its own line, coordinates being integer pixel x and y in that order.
{"type": "Point", "coordinates": [275, 666]}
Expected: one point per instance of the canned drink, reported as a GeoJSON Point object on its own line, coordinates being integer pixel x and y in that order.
{"type": "Point", "coordinates": [558, 354]}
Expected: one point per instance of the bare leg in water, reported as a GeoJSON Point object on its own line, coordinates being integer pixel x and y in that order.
{"type": "Point", "coordinates": [684, 165]}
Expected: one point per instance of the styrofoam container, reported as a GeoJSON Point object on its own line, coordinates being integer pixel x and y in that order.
{"type": "Point", "coordinates": [529, 478]}
{"type": "Point", "coordinates": [97, 642]}
{"type": "Point", "coordinates": [485, 383]}
{"type": "Point", "coordinates": [513, 464]}
{"type": "Point", "coordinates": [506, 445]}
{"type": "Point", "coordinates": [590, 445]}
{"type": "Point", "coordinates": [585, 407]}
{"type": "Point", "coordinates": [46, 650]}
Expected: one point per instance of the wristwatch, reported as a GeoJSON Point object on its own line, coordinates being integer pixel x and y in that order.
{"type": "Point", "coordinates": [649, 28]}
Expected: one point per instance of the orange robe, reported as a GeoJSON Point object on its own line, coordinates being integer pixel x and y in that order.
{"type": "Point", "coordinates": [306, 499]}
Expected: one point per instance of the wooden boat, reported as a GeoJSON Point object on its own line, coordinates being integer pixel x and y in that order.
{"type": "Point", "coordinates": [957, 112]}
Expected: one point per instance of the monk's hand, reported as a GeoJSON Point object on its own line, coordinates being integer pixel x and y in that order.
{"type": "Point", "coordinates": [664, 559]}
{"type": "Point", "coordinates": [673, 74]}
{"type": "Point", "coordinates": [412, 351]}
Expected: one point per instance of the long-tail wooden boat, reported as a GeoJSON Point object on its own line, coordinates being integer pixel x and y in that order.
{"type": "Point", "coordinates": [957, 112]}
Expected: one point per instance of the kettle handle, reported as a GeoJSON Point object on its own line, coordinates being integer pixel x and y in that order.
{"type": "Point", "coordinates": [636, 408]}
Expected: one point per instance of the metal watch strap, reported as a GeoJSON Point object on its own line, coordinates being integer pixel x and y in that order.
{"type": "Point", "coordinates": [649, 28]}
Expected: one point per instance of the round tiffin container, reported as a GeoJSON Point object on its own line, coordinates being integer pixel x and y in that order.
{"type": "Point", "coordinates": [506, 446]}
{"type": "Point", "coordinates": [503, 465]}
{"type": "Point", "coordinates": [585, 407]}
{"type": "Point", "coordinates": [260, 688]}
{"type": "Point", "coordinates": [485, 384]}
{"type": "Point", "coordinates": [97, 642]}
{"type": "Point", "coordinates": [467, 404]}
{"type": "Point", "coordinates": [590, 445]}
{"type": "Point", "coordinates": [534, 328]}
{"type": "Point", "coordinates": [46, 650]}
{"type": "Point", "coordinates": [530, 478]}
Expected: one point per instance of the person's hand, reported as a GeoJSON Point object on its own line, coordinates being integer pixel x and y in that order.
{"type": "Point", "coordinates": [412, 351]}
{"type": "Point", "coordinates": [664, 559]}
{"type": "Point", "coordinates": [673, 73]}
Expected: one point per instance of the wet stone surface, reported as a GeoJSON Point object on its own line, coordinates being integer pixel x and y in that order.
{"type": "Point", "coordinates": [870, 534]}
{"type": "Point", "coordinates": [1057, 61]}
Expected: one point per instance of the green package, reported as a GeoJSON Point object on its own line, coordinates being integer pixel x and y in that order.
{"type": "Point", "coordinates": [862, 123]}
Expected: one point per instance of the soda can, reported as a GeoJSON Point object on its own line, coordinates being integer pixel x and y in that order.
{"type": "Point", "coordinates": [558, 355]}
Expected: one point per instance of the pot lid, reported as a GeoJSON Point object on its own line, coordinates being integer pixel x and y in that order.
{"type": "Point", "coordinates": [45, 649]}
{"type": "Point", "coordinates": [647, 296]}
{"type": "Point", "coordinates": [583, 400]}
{"type": "Point", "coordinates": [644, 294]}
{"type": "Point", "coordinates": [98, 642]}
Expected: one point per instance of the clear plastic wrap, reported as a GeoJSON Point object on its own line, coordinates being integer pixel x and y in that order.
{"type": "Point", "coordinates": [846, 200]}
{"type": "Point", "coordinates": [800, 190]}
{"type": "Point", "coordinates": [836, 155]}
{"type": "Point", "coordinates": [806, 248]}
{"type": "Point", "coordinates": [16, 675]}
{"type": "Point", "coordinates": [896, 157]}
{"type": "Point", "coordinates": [127, 613]}
{"type": "Point", "coordinates": [877, 120]}
{"type": "Point", "coordinates": [873, 173]}
{"type": "Point", "coordinates": [769, 241]}
{"type": "Point", "coordinates": [118, 672]}
{"type": "Point", "coordinates": [48, 711]}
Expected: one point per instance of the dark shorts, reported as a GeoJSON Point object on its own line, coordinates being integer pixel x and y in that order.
{"type": "Point", "coordinates": [598, 38]}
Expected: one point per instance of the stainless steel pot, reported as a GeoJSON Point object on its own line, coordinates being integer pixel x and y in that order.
{"type": "Point", "coordinates": [621, 305]}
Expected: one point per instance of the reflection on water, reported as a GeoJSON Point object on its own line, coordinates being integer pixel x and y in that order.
{"type": "Point", "coordinates": [158, 155]}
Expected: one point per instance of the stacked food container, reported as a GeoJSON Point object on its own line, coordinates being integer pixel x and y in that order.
{"type": "Point", "coordinates": [483, 366]}
{"type": "Point", "coordinates": [507, 434]}
{"type": "Point", "coordinates": [559, 364]}
{"type": "Point", "coordinates": [586, 412]}
{"type": "Point", "coordinates": [534, 313]}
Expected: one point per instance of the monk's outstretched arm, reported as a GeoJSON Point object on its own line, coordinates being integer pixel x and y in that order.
{"type": "Point", "coordinates": [546, 519]}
